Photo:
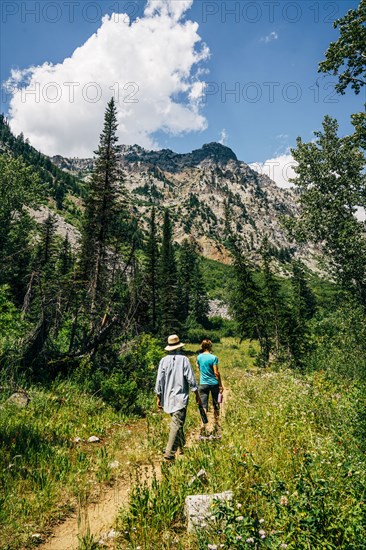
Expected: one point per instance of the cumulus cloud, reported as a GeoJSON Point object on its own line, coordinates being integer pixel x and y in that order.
{"type": "Point", "coordinates": [270, 37]}
{"type": "Point", "coordinates": [151, 66]}
{"type": "Point", "coordinates": [223, 137]}
{"type": "Point", "coordinates": [280, 169]}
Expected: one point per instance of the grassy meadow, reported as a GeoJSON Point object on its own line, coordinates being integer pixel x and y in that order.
{"type": "Point", "coordinates": [293, 454]}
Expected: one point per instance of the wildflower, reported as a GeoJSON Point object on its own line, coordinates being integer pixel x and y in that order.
{"type": "Point", "coordinates": [262, 533]}
{"type": "Point", "coordinates": [239, 506]}
{"type": "Point", "coordinates": [249, 541]}
{"type": "Point", "coordinates": [261, 520]}
{"type": "Point", "coordinates": [212, 546]}
{"type": "Point", "coordinates": [284, 501]}
{"type": "Point", "coordinates": [283, 545]}
{"type": "Point", "coordinates": [238, 537]}
{"type": "Point", "coordinates": [240, 518]}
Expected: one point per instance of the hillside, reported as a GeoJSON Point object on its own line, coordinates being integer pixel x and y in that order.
{"type": "Point", "coordinates": [205, 190]}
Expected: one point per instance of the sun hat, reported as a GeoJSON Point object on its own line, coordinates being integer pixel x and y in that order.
{"type": "Point", "coordinates": [173, 343]}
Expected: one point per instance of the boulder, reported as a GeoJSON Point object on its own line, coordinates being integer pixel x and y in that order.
{"type": "Point", "coordinates": [199, 509]}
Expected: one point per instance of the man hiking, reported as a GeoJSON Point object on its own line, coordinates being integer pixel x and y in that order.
{"type": "Point", "coordinates": [175, 378]}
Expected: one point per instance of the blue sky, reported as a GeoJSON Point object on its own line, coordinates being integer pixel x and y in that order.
{"type": "Point", "coordinates": [262, 86]}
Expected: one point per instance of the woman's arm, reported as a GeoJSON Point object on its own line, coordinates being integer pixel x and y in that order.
{"type": "Point", "coordinates": [218, 377]}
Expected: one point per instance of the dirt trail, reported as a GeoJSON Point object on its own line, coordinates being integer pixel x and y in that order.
{"type": "Point", "coordinates": [98, 519]}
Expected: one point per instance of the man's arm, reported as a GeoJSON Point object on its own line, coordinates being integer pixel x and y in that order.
{"type": "Point", "coordinates": [158, 387]}
{"type": "Point", "coordinates": [191, 379]}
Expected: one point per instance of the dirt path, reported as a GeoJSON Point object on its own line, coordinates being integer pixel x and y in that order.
{"type": "Point", "coordinates": [98, 519]}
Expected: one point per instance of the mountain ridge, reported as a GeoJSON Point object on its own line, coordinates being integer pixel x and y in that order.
{"type": "Point", "coordinates": [206, 190]}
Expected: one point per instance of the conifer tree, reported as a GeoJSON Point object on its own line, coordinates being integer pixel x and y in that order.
{"type": "Point", "coordinates": [152, 274]}
{"type": "Point", "coordinates": [246, 303]}
{"type": "Point", "coordinates": [186, 265]}
{"type": "Point", "coordinates": [272, 302]}
{"type": "Point", "coordinates": [303, 308]}
{"type": "Point", "coordinates": [168, 280]}
{"type": "Point", "coordinates": [100, 211]}
{"type": "Point", "coordinates": [198, 300]}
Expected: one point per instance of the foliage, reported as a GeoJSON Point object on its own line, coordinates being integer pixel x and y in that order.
{"type": "Point", "coordinates": [331, 178]}
{"type": "Point", "coordinates": [168, 280]}
{"type": "Point", "coordinates": [346, 57]}
{"type": "Point", "coordinates": [12, 326]}
{"type": "Point", "coordinates": [290, 454]}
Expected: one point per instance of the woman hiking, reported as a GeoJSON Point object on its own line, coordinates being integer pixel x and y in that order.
{"type": "Point", "coordinates": [210, 381]}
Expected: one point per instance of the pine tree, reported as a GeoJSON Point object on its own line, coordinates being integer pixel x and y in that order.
{"type": "Point", "coordinates": [168, 280]}
{"type": "Point", "coordinates": [186, 265]}
{"type": "Point", "coordinates": [152, 274]}
{"type": "Point", "coordinates": [198, 300]}
{"type": "Point", "coordinates": [303, 308]}
{"type": "Point", "coordinates": [101, 209]}
{"type": "Point", "coordinates": [246, 304]}
{"type": "Point", "coordinates": [274, 309]}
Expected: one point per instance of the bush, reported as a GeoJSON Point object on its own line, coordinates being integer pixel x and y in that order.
{"type": "Point", "coordinates": [195, 335]}
{"type": "Point", "coordinates": [338, 342]}
{"type": "Point", "coordinates": [127, 381]}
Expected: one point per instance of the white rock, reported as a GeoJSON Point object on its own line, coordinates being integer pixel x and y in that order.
{"type": "Point", "coordinates": [21, 399]}
{"type": "Point", "coordinates": [198, 509]}
{"type": "Point", "coordinates": [93, 439]}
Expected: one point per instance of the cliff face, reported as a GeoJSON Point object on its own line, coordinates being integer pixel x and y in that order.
{"type": "Point", "coordinates": [205, 190]}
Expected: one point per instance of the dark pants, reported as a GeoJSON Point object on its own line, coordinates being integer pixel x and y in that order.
{"type": "Point", "coordinates": [205, 390]}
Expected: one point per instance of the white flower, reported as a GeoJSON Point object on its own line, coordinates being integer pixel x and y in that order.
{"type": "Point", "coordinates": [240, 518]}
{"type": "Point", "coordinates": [250, 540]}
{"type": "Point", "coordinates": [284, 501]}
{"type": "Point", "coordinates": [262, 532]}
{"type": "Point", "coordinates": [239, 506]}
{"type": "Point", "coordinates": [261, 520]}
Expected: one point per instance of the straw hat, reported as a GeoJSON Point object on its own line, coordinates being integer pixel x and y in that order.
{"type": "Point", "coordinates": [173, 343]}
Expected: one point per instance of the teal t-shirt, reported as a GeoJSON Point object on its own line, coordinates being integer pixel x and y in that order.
{"type": "Point", "coordinates": [206, 362]}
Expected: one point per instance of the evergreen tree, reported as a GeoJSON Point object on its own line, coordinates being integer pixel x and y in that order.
{"type": "Point", "coordinates": [152, 274]}
{"type": "Point", "coordinates": [186, 266]}
{"type": "Point", "coordinates": [273, 304]}
{"type": "Point", "coordinates": [168, 280]}
{"type": "Point", "coordinates": [303, 308]}
{"type": "Point", "coordinates": [198, 300]}
{"type": "Point", "coordinates": [100, 212]}
{"type": "Point", "coordinates": [246, 304]}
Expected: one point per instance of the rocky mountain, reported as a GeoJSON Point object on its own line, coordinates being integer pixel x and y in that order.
{"type": "Point", "coordinates": [205, 190]}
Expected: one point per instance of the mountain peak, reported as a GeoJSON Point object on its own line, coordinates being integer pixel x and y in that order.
{"type": "Point", "coordinates": [216, 152]}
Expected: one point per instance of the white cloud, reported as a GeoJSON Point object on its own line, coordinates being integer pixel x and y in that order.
{"type": "Point", "coordinates": [173, 8]}
{"type": "Point", "coordinates": [224, 136]}
{"type": "Point", "coordinates": [270, 37]}
{"type": "Point", "coordinates": [151, 66]}
{"type": "Point", "coordinates": [280, 169]}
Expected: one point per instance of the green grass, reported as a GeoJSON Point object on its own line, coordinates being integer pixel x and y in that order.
{"type": "Point", "coordinates": [290, 454]}
{"type": "Point", "coordinates": [44, 474]}
{"type": "Point", "coordinates": [292, 451]}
